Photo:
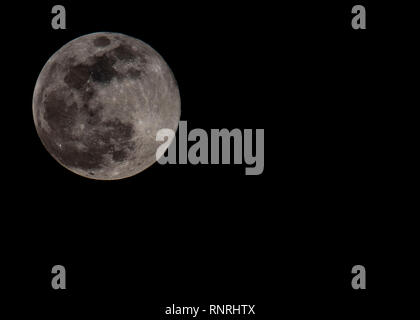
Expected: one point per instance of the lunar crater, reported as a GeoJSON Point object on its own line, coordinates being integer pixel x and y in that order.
{"type": "Point", "coordinates": [101, 41]}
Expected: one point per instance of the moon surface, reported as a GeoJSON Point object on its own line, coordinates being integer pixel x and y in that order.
{"type": "Point", "coordinates": [99, 102]}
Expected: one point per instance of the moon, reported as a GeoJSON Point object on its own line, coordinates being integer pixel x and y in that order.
{"type": "Point", "coordinates": [99, 102]}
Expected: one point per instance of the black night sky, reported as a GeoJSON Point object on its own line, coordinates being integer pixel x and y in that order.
{"type": "Point", "coordinates": [285, 240]}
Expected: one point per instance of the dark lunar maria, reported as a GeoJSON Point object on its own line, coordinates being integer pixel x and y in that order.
{"type": "Point", "coordinates": [99, 102]}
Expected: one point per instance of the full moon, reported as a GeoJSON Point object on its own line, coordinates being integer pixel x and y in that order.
{"type": "Point", "coordinates": [99, 102]}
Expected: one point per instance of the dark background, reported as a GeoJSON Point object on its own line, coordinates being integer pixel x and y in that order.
{"type": "Point", "coordinates": [330, 102]}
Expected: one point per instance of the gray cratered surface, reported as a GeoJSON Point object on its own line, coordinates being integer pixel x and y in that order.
{"type": "Point", "coordinates": [99, 102]}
